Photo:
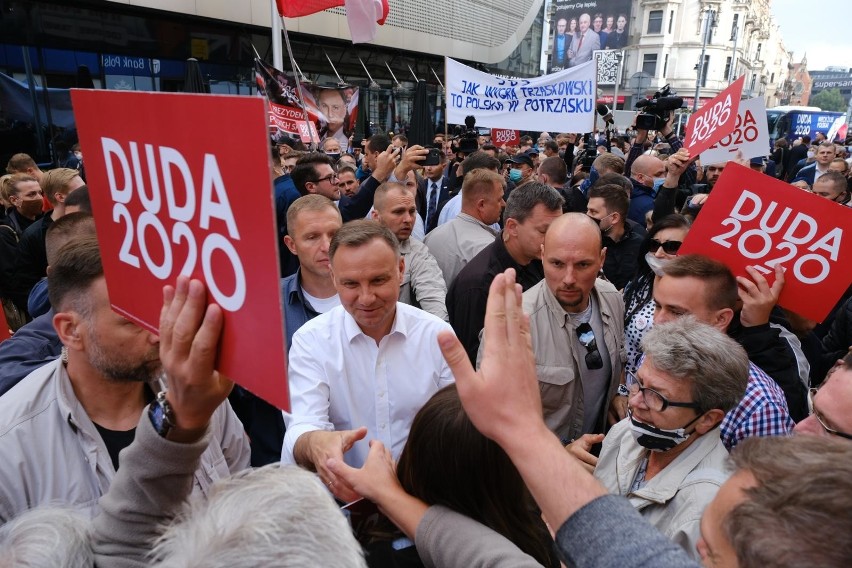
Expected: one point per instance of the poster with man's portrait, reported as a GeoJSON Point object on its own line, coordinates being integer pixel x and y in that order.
{"type": "Point", "coordinates": [334, 111]}
{"type": "Point", "coordinates": [578, 29]}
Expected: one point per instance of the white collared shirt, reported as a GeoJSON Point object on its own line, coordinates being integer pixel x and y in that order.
{"type": "Point", "coordinates": [341, 380]}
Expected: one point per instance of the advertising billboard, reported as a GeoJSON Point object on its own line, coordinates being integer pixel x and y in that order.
{"type": "Point", "coordinates": [578, 29]}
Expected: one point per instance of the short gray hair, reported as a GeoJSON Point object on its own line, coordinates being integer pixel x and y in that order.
{"type": "Point", "coordinates": [801, 506]}
{"type": "Point", "coordinates": [716, 365]}
{"type": "Point", "coordinates": [270, 516]}
{"type": "Point", "coordinates": [523, 200]}
{"type": "Point", "coordinates": [46, 537]}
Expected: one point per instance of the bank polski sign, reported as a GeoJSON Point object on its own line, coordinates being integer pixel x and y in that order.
{"type": "Point", "coordinates": [127, 65]}
{"type": "Point", "coordinates": [562, 101]}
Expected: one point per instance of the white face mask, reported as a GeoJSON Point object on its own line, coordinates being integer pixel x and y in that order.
{"type": "Point", "coordinates": [811, 154]}
{"type": "Point", "coordinates": [78, 155]}
{"type": "Point", "coordinates": [655, 264]}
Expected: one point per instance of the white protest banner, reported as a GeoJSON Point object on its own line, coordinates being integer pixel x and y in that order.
{"type": "Point", "coordinates": [562, 101]}
{"type": "Point", "coordinates": [750, 135]}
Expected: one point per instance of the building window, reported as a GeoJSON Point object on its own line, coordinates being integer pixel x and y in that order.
{"type": "Point", "coordinates": [757, 53]}
{"type": "Point", "coordinates": [671, 21]}
{"type": "Point", "coordinates": [649, 64]}
{"type": "Point", "coordinates": [734, 27]}
{"type": "Point", "coordinates": [704, 70]}
{"type": "Point", "coordinates": [665, 66]}
{"type": "Point", "coordinates": [753, 81]}
{"type": "Point", "coordinates": [727, 68]}
{"type": "Point", "coordinates": [772, 78]}
{"type": "Point", "coordinates": [655, 21]}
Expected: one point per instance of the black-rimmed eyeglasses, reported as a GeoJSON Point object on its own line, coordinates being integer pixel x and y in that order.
{"type": "Point", "coordinates": [587, 339]}
{"type": "Point", "coordinates": [329, 177]}
{"type": "Point", "coordinates": [653, 400]}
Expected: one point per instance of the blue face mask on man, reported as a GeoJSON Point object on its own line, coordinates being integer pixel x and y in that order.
{"type": "Point", "coordinates": [515, 175]}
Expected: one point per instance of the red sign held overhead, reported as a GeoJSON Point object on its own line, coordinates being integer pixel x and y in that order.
{"type": "Point", "coordinates": [4, 327]}
{"type": "Point", "coordinates": [505, 137]}
{"type": "Point", "coordinates": [752, 219]}
{"type": "Point", "coordinates": [715, 120]}
{"type": "Point", "coordinates": [181, 185]}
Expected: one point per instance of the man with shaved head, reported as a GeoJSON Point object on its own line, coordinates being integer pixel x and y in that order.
{"type": "Point", "coordinates": [643, 173]}
{"type": "Point", "coordinates": [577, 330]}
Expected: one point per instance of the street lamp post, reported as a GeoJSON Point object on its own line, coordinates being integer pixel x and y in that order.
{"type": "Point", "coordinates": [708, 23]}
{"type": "Point", "coordinates": [617, 80]}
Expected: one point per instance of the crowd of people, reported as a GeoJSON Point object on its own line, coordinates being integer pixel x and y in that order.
{"type": "Point", "coordinates": [497, 360]}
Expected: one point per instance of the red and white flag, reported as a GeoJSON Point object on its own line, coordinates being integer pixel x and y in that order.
{"type": "Point", "coordinates": [362, 15]}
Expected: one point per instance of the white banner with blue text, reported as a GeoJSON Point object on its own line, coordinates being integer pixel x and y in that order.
{"type": "Point", "coordinates": [558, 102]}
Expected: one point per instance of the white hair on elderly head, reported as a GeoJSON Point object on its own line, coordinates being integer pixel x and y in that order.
{"type": "Point", "coordinates": [272, 516]}
{"type": "Point", "coordinates": [46, 537]}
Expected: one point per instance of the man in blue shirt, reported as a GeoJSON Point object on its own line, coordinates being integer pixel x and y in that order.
{"type": "Point", "coordinates": [312, 220]}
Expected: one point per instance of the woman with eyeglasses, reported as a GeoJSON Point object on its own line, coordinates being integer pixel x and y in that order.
{"type": "Point", "coordinates": [667, 457]}
{"type": "Point", "coordinates": [660, 246]}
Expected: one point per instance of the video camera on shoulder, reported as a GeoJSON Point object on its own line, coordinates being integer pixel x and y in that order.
{"type": "Point", "coordinates": [655, 111]}
{"type": "Point", "coordinates": [589, 153]}
{"type": "Point", "coordinates": [467, 138]}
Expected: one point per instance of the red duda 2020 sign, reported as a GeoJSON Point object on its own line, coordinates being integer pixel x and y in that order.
{"type": "Point", "coordinates": [180, 184]}
{"type": "Point", "coordinates": [715, 120]}
{"type": "Point", "coordinates": [505, 137]}
{"type": "Point", "coordinates": [752, 219]}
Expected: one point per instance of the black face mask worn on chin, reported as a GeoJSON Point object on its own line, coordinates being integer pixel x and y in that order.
{"type": "Point", "coordinates": [658, 439]}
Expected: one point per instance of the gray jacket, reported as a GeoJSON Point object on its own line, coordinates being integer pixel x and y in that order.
{"type": "Point", "coordinates": [52, 451]}
{"type": "Point", "coordinates": [606, 532]}
{"type": "Point", "coordinates": [557, 361]}
{"type": "Point", "coordinates": [423, 283]}
{"type": "Point", "coordinates": [154, 478]}
{"type": "Point", "coordinates": [455, 243]}
{"type": "Point", "coordinates": [675, 498]}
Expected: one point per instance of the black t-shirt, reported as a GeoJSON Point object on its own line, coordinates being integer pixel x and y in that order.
{"type": "Point", "coordinates": [116, 441]}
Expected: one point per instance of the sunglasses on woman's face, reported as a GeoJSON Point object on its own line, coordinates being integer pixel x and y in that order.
{"type": "Point", "coordinates": [669, 247]}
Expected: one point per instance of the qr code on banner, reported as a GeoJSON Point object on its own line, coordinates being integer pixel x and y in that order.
{"type": "Point", "coordinates": [607, 66]}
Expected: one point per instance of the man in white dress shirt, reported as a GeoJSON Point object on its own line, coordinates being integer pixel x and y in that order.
{"type": "Point", "coordinates": [365, 368]}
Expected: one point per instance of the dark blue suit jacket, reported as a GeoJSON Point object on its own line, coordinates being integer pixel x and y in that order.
{"type": "Point", "coordinates": [422, 204]}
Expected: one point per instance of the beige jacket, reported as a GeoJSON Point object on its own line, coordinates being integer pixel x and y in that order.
{"type": "Point", "coordinates": [675, 498]}
{"type": "Point", "coordinates": [422, 282]}
{"type": "Point", "coordinates": [52, 452]}
{"type": "Point", "coordinates": [557, 361]}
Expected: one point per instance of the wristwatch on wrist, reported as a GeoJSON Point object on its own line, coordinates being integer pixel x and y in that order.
{"type": "Point", "coordinates": [161, 415]}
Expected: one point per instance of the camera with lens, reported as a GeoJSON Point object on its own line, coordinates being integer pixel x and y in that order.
{"type": "Point", "coordinates": [587, 156]}
{"type": "Point", "coordinates": [467, 138]}
{"type": "Point", "coordinates": [655, 111]}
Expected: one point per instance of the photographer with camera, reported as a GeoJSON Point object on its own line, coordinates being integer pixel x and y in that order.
{"type": "Point", "coordinates": [656, 114]}
{"type": "Point", "coordinates": [466, 142]}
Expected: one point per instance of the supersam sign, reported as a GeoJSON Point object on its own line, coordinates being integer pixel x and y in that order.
{"type": "Point", "coordinates": [181, 186]}
{"type": "Point", "coordinates": [714, 120]}
{"type": "Point", "coordinates": [751, 219]}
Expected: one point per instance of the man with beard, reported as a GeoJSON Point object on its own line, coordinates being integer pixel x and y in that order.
{"type": "Point", "coordinates": [63, 426]}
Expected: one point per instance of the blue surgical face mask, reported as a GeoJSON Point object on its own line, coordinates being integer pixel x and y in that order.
{"type": "Point", "coordinates": [658, 183]}
{"type": "Point", "coordinates": [515, 175]}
